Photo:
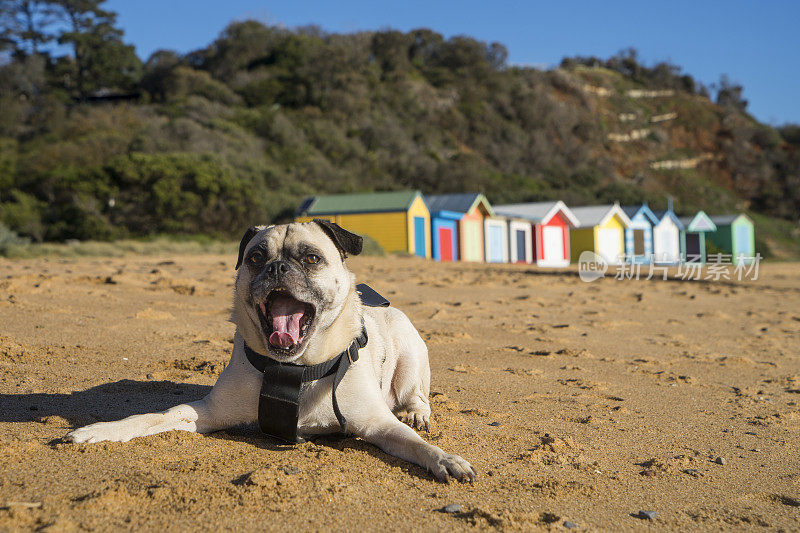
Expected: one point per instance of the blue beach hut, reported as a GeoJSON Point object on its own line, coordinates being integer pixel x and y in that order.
{"type": "Point", "coordinates": [444, 235]}
{"type": "Point", "coordinates": [639, 235]}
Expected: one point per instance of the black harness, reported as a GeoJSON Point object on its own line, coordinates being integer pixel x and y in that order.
{"type": "Point", "coordinates": [281, 387]}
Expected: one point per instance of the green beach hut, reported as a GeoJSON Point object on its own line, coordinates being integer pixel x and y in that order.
{"type": "Point", "coordinates": [736, 236]}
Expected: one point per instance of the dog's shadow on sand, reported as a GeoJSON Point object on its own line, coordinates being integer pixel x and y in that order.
{"type": "Point", "coordinates": [251, 435]}
{"type": "Point", "coordinates": [120, 399]}
{"type": "Point", "coordinates": [103, 403]}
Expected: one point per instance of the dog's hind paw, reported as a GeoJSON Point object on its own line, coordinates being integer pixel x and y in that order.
{"type": "Point", "coordinates": [453, 467]}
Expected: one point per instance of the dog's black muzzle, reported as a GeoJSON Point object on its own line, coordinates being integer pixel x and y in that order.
{"type": "Point", "coordinates": [277, 269]}
{"type": "Point", "coordinates": [277, 274]}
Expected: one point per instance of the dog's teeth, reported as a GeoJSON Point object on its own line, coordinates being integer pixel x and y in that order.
{"type": "Point", "coordinates": [263, 308]}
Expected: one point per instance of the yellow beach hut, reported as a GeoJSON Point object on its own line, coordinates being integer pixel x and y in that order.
{"type": "Point", "coordinates": [601, 230]}
{"type": "Point", "coordinates": [397, 220]}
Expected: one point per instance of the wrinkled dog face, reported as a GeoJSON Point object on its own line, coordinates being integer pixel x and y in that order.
{"type": "Point", "coordinates": [292, 284]}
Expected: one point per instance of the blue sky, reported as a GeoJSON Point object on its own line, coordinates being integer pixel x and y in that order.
{"type": "Point", "coordinates": [756, 43]}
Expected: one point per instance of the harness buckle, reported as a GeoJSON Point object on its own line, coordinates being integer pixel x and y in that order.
{"type": "Point", "coordinates": [350, 349]}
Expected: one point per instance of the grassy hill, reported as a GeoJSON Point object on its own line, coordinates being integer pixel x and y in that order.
{"type": "Point", "coordinates": [240, 131]}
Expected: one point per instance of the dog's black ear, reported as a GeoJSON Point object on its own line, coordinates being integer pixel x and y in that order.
{"type": "Point", "coordinates": [346, 242]}
{"type": "Point", "coordinates": [249, 234]}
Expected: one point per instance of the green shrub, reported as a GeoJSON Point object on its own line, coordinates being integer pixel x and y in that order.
{"type": "Point", "coordinates": [23, 214]}
{"type": "Point", "coordinates": [8, 163]}
{"type": "Point", "coordinates": [185, 81]}
{"type": "Point", "coordinates": [371, 247]}
{"type": "Point", "coordinates": [176, 193]}
{"type": "Point", "coordinates": [8, 239]}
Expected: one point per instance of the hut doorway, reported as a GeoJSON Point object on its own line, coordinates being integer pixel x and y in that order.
{"type": "Point", "coordinates": [522, 245]}
{"type": "Point", "coordinates": [638, 242]}
{"type": "Point", "coordinates": [472, 249]}
{"type": "Point", "coordinates": [553, 241]}
{"type": "Point", "coordinates": [666, 243]}
{"type": "Point", "coordinates": [609, 244]}
{"type": "Point", "coordinates": [744, 241]}
{"type": "Point", "coordinates": [495, 244]}
{"type": "Point", "coordinates": [445, 244]}
{"type": "Point", "coordinates": [419, 236]}
{"type": "Point", "coordinates": [693, 252]}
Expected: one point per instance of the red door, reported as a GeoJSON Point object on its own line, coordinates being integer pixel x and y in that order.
{"type": "Point", "coordinates": [446, 244]}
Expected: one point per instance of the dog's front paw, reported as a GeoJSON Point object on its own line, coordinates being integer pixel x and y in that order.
{"type": "Point", "coordinates": [102, 431]}
{"type": "Point", "coordinates": [453, 466]}
{"type": "Point", "coordinates": [419, 418]}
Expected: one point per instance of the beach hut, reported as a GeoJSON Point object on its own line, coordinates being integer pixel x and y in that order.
{"type": "Point", "coordinates": [495, 244]}
{"type": "Point", "coordinates": [471, 208]}
{"type": "Point", "coordinates": [551, 223]}
{"type": "Point", "coordinates": [693, 237]}
{"type": "Point", "coordinates": [601, 229]}
{"type": "Point", "coordinates": [667, 238]}
{"type": "Point", "coordinates": [520, 242]}
{"type": "Point", "coordinates": [735, 235]}
{"type": "Point", "coordinates": [399, 221]}
{"type": "Point", "coordinates": [639, 235]}
{"type": "Point", "coordinates": [444, 235]}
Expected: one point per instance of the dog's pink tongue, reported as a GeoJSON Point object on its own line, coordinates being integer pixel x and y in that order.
{"type": "Point", "coordinates": [286, 315]}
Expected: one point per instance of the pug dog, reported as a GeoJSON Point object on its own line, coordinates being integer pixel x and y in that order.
{"type": "Point", "coordinates": [295, 301]}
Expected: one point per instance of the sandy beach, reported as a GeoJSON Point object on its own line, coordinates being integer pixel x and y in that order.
{"type": "Point", "coordinates": [576, 402]}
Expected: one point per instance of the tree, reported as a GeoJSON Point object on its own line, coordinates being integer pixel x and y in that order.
{"type": "Point", "coordinates": [389, 49]}
{"type": "Point", "coordinates": [241, 45]}
{"type": "Point", "coordinates": [157, 70]}
{"type": "Point", "coordinates": [729, 95]}
{"type": "Point", "coordinates": [790, 133]}
{"type": "Point", "coordinates": [101, 59]}
{"type": "Point", "coordinates": [27, 25]}
{"type": "Point", "coordinates": [626, 62]}
{"type": "Point", "coordinates": [425, 47]}
{"type": "Point", "coordinates": [497, 54]}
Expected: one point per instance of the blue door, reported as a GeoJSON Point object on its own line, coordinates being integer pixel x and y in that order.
{"type": "Point", "coordinates": [743, 241]}
{"type": "Point", "coordinates": [419, 236]}
{"type": "Point", "coordinates": [495, 244]}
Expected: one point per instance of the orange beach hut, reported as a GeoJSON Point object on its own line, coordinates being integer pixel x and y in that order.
{"type": "Point", "coordinates": [469, 209]}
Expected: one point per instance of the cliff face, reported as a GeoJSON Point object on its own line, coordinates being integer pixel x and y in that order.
{"type": "Point", "coordinates": [707, 156]}
{"type": "Point", "coordinates": [680, 143]}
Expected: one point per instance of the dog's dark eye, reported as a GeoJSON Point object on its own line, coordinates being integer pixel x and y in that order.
{"type": "Point", "coordinates": [257, 257]}
{"type": "Point", "coordinates": [311, 259]}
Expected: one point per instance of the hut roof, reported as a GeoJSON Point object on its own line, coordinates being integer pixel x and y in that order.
{"type": "Point", "coordinates": [536, 211]}
{"type": "Point", "coordinates": [367, 202]}
{"type": "Point", "coordinates": [671, 214]}
{"type": "Point", "coordinates": [699, 222]}
{"type": "Point", "coordinates": [727, 220]}
{"type": "Point", "coordinates": [457, 202]}
{"type": "Point", "coordinates": [595, 215]}
{"type": "Point", "coordinates": [633, 210]}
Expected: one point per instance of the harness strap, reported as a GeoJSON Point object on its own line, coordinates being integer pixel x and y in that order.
{"type": "Point", "coordinates": [346, 358]}
{"type": "Point", "coordinates": [281, 386]}
{"type": "Point", "coordinates": [279, 400]}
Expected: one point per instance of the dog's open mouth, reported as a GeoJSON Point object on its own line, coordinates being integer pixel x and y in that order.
{"type": "Point", "coordinates": [285, 321]}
